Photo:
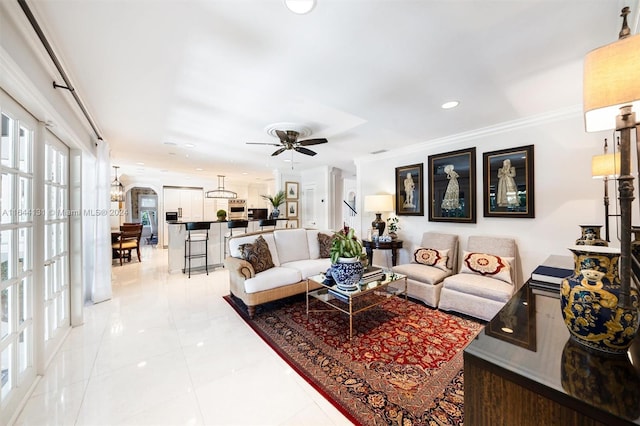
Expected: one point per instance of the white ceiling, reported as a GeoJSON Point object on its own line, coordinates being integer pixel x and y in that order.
{"type": "Point", "coordinates": [367, 75]}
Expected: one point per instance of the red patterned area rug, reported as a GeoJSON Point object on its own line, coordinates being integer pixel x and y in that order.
{"type": "Point", "coordinates": [402, 367]}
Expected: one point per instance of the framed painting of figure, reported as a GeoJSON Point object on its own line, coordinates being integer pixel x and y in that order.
{"type": "Point", "coordinates": [409, 191]}
{"type": "Point", "coordinates": [452, 186]}
{"type": "Point", "coordinates": [508, 183]}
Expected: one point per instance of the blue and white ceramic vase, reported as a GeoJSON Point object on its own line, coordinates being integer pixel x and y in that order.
{"type": "Point", "coordinates": [275, 213]}
{"type": "Point", "coordinates": [589, 301]}
{"type": "Point", "coordinates": [591, 236]}
{"type": "Point", "coordinates": [347, 273]}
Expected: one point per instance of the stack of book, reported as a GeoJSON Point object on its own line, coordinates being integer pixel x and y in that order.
{"type": "Point", "coordinates": [548, 276]}
{"type": "Point", "coordinates": [370, 274]}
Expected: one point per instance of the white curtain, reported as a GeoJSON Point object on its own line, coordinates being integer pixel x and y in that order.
{"type": "Point", "coordinates": [96, 225]}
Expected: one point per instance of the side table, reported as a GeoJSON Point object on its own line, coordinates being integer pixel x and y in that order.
{"type": "Point", "coordinates": [392, 245]}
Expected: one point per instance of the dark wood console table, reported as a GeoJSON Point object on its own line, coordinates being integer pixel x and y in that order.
{"type": "Point", "coordinates": [392, 245]}
{"type": "Point", "coordinates": [536, 375]}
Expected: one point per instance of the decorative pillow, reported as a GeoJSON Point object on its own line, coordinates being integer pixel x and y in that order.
{"type": "Point", "coordinates": [257, 254]}
{"type": "Point", "coordinates": [432, 257]}
{"type": "Point", "coordinates": [487, 265]}
{"type": "Point", "coordinates": [325, 244]}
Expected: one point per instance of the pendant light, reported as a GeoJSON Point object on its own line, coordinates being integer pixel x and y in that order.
{"type": "Point", "coordinates": [300, 7]}
{"type": "Point", "coordinates": [117, 189]}
{"type": "Point", "coordinates": [221, 192]}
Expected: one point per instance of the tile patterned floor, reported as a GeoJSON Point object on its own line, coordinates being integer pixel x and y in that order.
{"type": "Point", "coordinates": [168, 350]}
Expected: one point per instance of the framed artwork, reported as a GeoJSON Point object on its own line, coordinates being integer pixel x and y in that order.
{"type": "Point", "coordinates": [292, 223]}
{"type": "Point", "coordinates": [516, 321]}
{"type": "Point", "coordinates": [409, 191]}
{"type": "Point", "coordinates": [508, 183]}
{"type": "Point", "coordinates": [291, 190]}
{"type": "Point", "coordinates": [452, 186]}
{"type": "Point", "coordinates": [292, 209]}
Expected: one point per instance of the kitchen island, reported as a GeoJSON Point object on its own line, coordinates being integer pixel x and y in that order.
{"type": "Point", "coordinates": [177, 234]}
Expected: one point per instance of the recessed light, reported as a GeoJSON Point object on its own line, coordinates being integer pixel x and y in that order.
{"type": "Point", "coordinates": [199, 169]}
{"type": "Point", "coordinates": [140, 164]}
{"type": "Point", "coordinates": [172, 153]}
{"type": "Point", "coordinates": [170, 143]}
{"type": "Point", "coordinates": [189, 145]}
{"type": "Point", "coordinates": [450, 104]}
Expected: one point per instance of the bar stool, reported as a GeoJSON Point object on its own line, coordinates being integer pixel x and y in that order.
{"type": "Point", "coordinates": [196, 237]}
{"type": "Point", "coordinates": [234, 224]}
{"type": "Point", "coordinates": [267, 222]}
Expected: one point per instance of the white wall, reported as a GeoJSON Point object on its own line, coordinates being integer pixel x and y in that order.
{"type": "Point", "coordinates": [565, 194]}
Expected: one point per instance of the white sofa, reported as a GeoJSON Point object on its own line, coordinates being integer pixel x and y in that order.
{"type": "Point", "coordinates": [296, 256]}
{"type": "Point", "coordinates": [425, 282]}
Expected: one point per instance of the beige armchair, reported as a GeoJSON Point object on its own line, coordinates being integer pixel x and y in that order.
{"type": "Point", "coordinates": [433, 261]}
{"type": "Point", "coordinates": [486, 280]}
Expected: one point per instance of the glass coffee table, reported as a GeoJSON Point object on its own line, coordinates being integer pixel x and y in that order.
{"type": "Point", "coordinates": [365, 297]}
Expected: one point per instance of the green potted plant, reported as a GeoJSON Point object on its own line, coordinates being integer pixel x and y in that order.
{"type": "Point", "coordinates": [276, 201]}
{"type": "Point", "coordinates": [222, 215]}
{"type": "Point", "coordinates": [392, 226]}
{"type": "Point", "coordinates": [346, 259]}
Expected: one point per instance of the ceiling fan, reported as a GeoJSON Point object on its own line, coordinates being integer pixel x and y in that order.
{"type": "Point", "coordinates": [289, 140]}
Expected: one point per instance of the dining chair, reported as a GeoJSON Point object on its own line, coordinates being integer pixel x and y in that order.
{"type": "Point", "coordinates": [129, 239]}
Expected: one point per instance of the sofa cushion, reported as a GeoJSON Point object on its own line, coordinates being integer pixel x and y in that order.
{"type": "Point", "coordinates": [278, 276]}
{"type": "Point", "coordinates": [291, 244]}
{"type": "Point", "coordinates": [423, 273]}
{"type": "Point", "coordinates": [432, 257]}
{"type": "Point", "coordinates": [481, 286]}
{"type": "Point", "coordinates": [309, 267]}
{"type": "Point", "coordinates": [236, 242]}
{"type": "Point", "coordinates": [487, 265]}
{"type": "Point", "coordinates": [324, 242]}
{"type": "Point", "coordinates": [257, 254]}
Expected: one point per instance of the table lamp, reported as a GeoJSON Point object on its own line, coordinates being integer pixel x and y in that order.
{"type": "Point", "coordinates": [378, 204]}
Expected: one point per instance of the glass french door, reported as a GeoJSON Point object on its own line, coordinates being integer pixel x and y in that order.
{"type": "Point", "coordinates": [17, 213]}
{"type": "Point", "coordinates": [56, 243]}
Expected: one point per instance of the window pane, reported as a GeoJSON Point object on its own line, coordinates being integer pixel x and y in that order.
{"type": "Point", "coordinates": [5, 312]}
{"type": "Point", "coordinates": [7, 254]}
{"type": "Point", "coordinates": [24, 307]}
{"type": "Point", "coordinates": [24, 152]}
{"type": "Point", "coordinates": [24, 200]}
{"type": "Point", "coordinates": [5, 372]}
{"type": "Point", "coordinates": [24, 249]}
{"type": "Point", "coordinates": [6, 198]}
{"type": "Point", "coordinates": [6, 147]}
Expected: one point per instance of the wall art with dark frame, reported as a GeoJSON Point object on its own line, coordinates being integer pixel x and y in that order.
{"type": "Point", "coordinates": [409, 190]}
{"type": "Point", "coordinates": [452, 186]}
{"type": "Point", "coordinates": [508, 183]}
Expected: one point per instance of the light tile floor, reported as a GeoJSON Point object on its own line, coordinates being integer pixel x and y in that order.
{"type": "Point", "coordinates": [168, 350]}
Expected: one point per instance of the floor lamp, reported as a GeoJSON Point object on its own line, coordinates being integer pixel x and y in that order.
{"type": "Point", "coordinates": [611, 97]}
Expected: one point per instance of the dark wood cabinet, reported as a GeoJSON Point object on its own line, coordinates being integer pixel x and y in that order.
{"type": "Point", "coordinates": [557, 382]}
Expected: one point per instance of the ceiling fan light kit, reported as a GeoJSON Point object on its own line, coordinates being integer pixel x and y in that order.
{"type": "Point", "coordinates": [289, 138]}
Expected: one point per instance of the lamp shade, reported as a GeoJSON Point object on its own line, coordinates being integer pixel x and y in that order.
{"type": "Point", "coordinates": [605, 165]}
{"type": "Point", "coordinates": [610, 82]}
{"type": "Point", "coordinates": [378, 203]}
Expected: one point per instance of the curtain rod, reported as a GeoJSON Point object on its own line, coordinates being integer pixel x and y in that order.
{"type": "Point", "coordinates": [36, 27]}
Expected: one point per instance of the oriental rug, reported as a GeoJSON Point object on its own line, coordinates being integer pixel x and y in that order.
{"type": "Point", "coordinates": [402, 367]}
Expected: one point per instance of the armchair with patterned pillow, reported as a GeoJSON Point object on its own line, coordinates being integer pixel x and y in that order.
{"type": "Point", "coordinates": [487, 278]}
{"type": "Point", "coordinates": [433, 261]}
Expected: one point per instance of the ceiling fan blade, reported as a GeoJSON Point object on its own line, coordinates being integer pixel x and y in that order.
{"type": "Point", "coordinates": [312, 141]}
{"type": "Point", "coordinates": [279, 151]}
{"type": "Point", "coordinates": [304, 150]}
{"type": "Point", "coordinates": [263, 143]}
{"type": "Point", "coordinates": [283, 136]}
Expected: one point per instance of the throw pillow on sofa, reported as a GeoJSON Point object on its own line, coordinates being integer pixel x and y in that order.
{"type": "Point", "coordinates": [257, 254]}
{"type": "Point", "coordinates": [432, 257]}
{"type": "Point", "coordinates": [487, 265]}
{"type": "Point", "coordinates": [325, 244]}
